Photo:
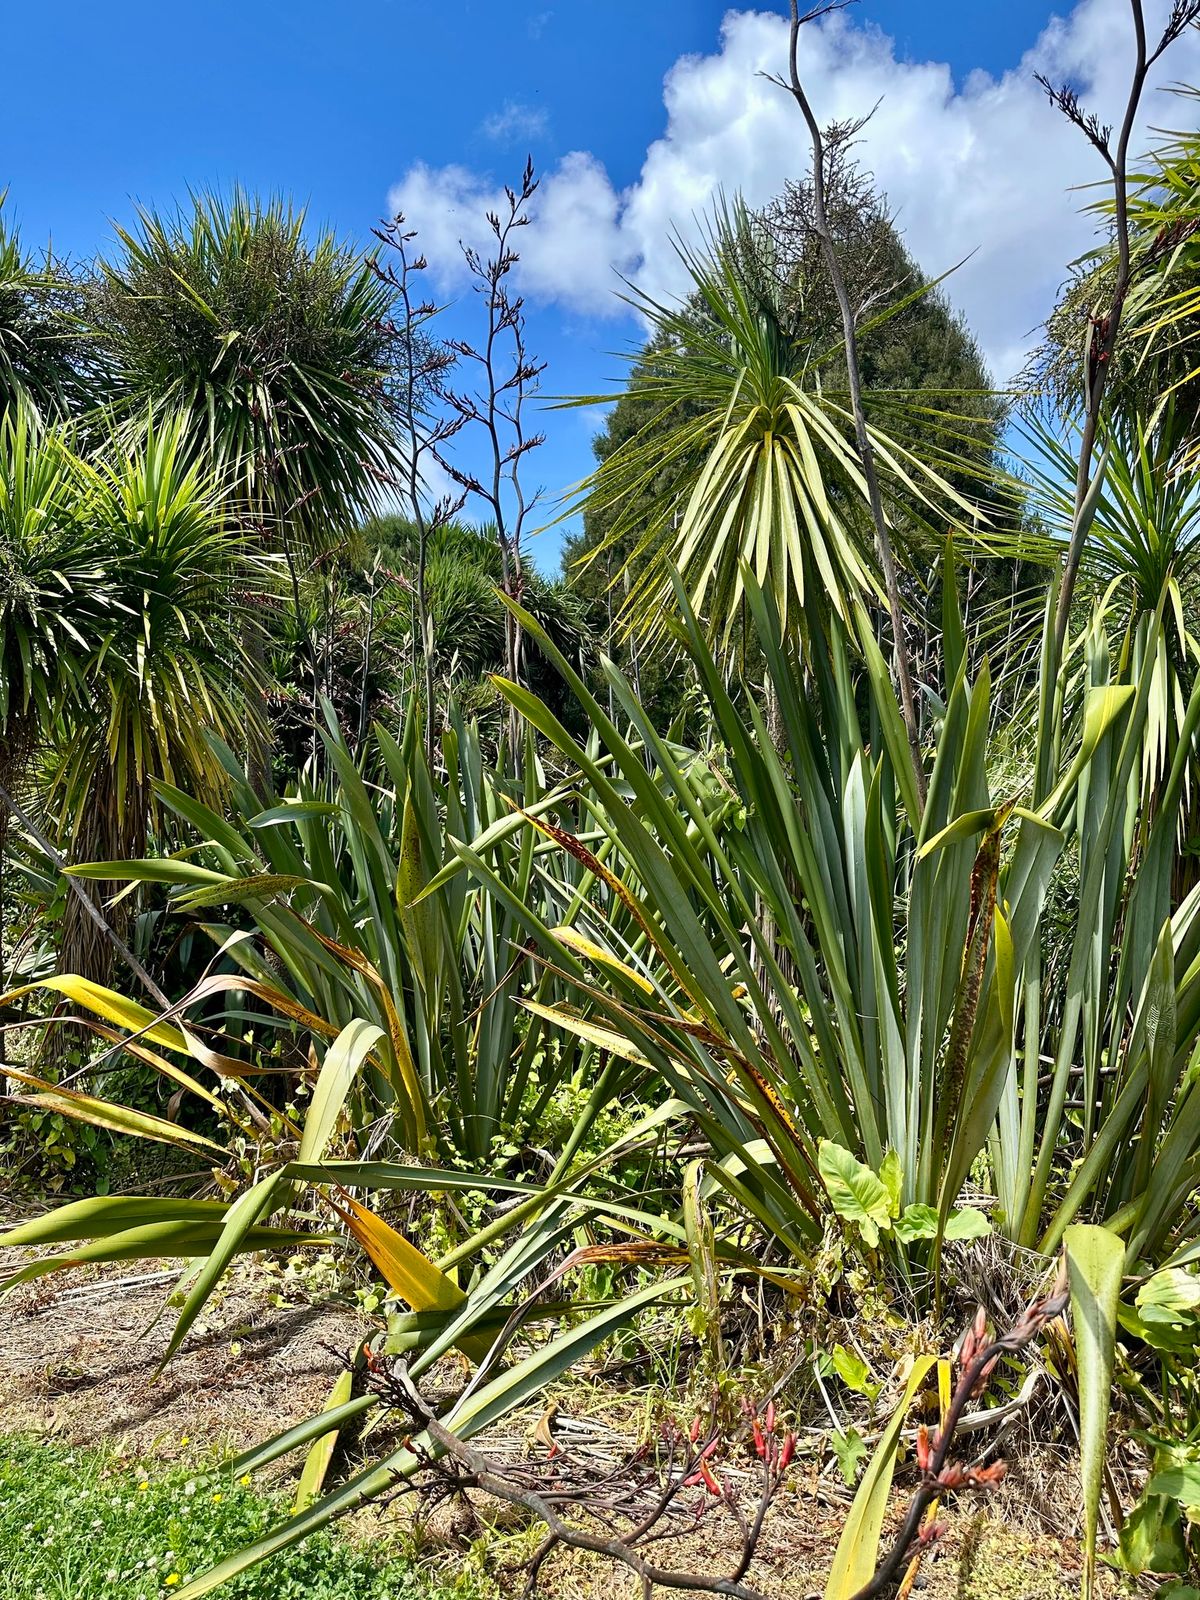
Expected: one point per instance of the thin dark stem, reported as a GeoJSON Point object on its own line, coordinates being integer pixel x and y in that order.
{"type": "Point", "coordinates": [1105, 329]}
{"type": "Point", "coordinates": [1026, 1328]}
{"type": "Point", "coordinates": [1104, 336]}
{"type": "Point", "coordinates": [457, 1466]}
{"type": "Point", "coordinates": [866, 450]}
{"type": "Point", "coordinates": [423, 366]}
{"type": "Point", "coordinates": [491, 423]}
{"type": "Point", "coordinates": [424, 619]}
{"type": "Point", "coordinates": [564, 1532]}
{"type": "Point", "coordinates": [498, 408]}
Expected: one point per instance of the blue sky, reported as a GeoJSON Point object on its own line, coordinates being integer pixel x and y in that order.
{"type": "Point", "coordinates": [356, 107]}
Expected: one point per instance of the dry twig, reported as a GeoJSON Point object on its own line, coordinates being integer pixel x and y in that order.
{"type": "Point", "coordinates": [619, 1512]}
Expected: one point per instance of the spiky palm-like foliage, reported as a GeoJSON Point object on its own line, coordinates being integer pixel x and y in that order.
{"type": "Point", "coordinates": [758, 458]}
{"type": "Point", "coordinates": [170, 667]}
{"type": "Point", "coordinates": [1158, 355]}
{"type": "Point", "coordinates": [1142, 555]}
{"type": "Point", "coordinates": [43, 355]}
{"type": "Point", "coordinates": [56, 600]}
{"type": "Point", "coordinates": [54, 590]}
{"type": "Point", "coordinates": [463, 580]}
{"type": "Point", "coordinates": [275, 340]}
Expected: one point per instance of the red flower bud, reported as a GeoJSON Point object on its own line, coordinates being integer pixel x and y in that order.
{"type": "Point", "coordinates": [770, 1417]}
{"type": "Point", "coordinates": [788, 1451]}
{"type": "Point", "coordinates": [694, 1430]}
{"type": "Point", "coordinates": [760, 1444]}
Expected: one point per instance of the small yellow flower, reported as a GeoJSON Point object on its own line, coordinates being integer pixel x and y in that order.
{"type": "Point", "coordinates": [143, 1485]}
{"type": "Point", "coordinates": [185, 1440]}
{"type": "Point", "coordinates": [216, 1499]}
{"type": "Point", "coordinates": [244, 1480]}
{"type": "Point", "coordinates": [172, 1579]}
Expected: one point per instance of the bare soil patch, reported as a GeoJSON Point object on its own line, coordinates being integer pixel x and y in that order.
{"type": "Point", "coordinates": [79, 1358]}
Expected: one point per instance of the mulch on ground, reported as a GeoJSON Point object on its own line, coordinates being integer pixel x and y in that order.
{"type": "Point", "coordinates": [79, 1359]}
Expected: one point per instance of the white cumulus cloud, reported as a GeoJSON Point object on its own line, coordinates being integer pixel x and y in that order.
{"type": "Point", "coordinates": [983, 168]}
{"type": "Point", "coordinates": [575, 206]}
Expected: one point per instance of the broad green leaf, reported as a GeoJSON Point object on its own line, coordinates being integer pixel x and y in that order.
{"type": "Point", "coordinates": [1095, 1264]}
{"type": "Point", "coordinates": [320, 1452]}
{"type": "Point", "coordinates": [855, 1192]}
{"type": "Point", "coordinates": [851, 1450]}
{"type": "Point", "coordinates": [343, 1060]}
{"type": "Point", "coordinates": [1172, 1295]}
{"type": "Point", "coordinates": [1181, 1482]}
{"type": "Point", "coordinates": [967, 1224]}
{"type": "Point", "coordinates": [917, 1221]}
{"type": "Point", "coordinates": [1152, 1537]}
{"type": "Point", "coordinates": [853, 1371]}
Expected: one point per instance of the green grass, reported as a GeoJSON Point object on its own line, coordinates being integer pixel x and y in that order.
{"type": "Point", "coordinates": [79, 1525]}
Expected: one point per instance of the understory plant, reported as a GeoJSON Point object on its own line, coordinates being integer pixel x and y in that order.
{"type": "Point", "coordinates": [837, 966]}
{"type": "Point", "coordinates": [322, 891]}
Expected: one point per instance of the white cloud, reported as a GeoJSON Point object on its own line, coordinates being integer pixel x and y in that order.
{"type": "Point", "coordinates": [576, 204]}
{"type": "Point", "coordinates": [984, 166]}
{"type": "Point", "coordinates": [514, 122]}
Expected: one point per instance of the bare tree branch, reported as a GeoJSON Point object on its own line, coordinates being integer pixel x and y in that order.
{"type": "Point", "coordinates": [866, 451]}
{"type": "Point", "coordinates": [1106, 326]}
{"type": "Point", "coordinates": [628, 1506]}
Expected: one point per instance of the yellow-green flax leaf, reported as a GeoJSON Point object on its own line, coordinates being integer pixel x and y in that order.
{"type": "Point", "coordinates": [406, 1271]}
